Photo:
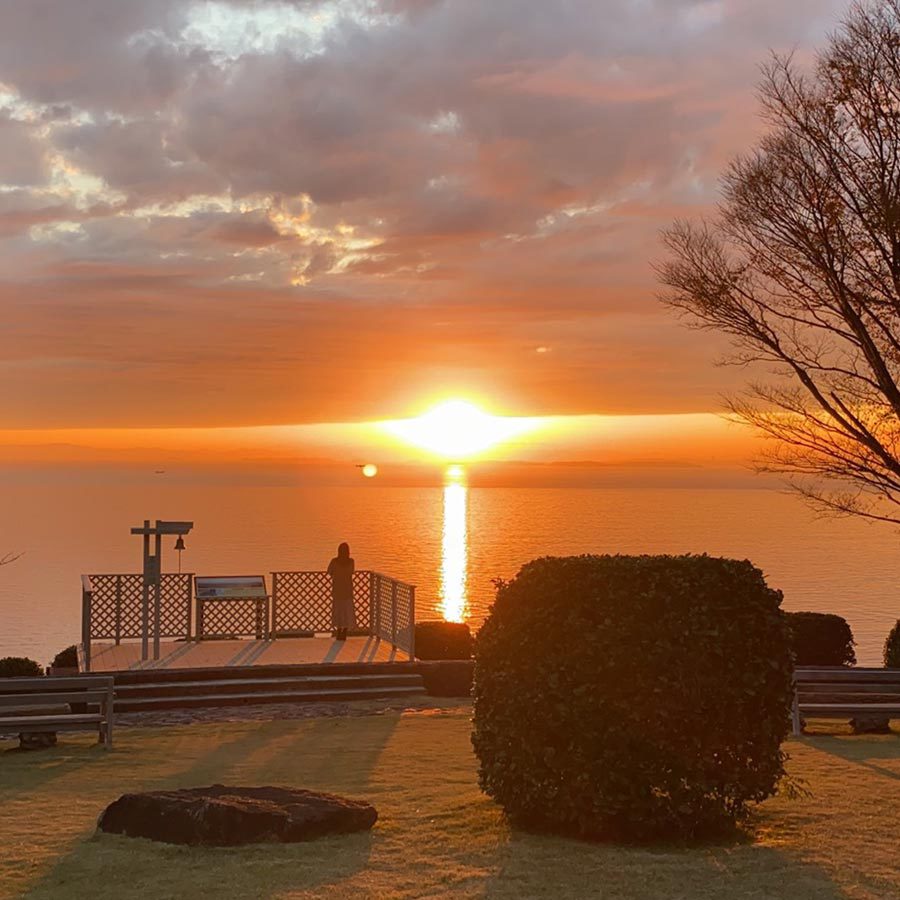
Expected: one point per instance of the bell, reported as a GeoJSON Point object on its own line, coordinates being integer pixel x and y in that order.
{"type": "Point", "coordinates": [179, 544]}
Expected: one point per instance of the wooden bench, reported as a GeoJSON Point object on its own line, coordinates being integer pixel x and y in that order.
{"type": "Point", "coordinates": [839, 692]}
{"type": "Point", "coordinates": [224, 622]}
{"type": "Point", "coordinates": [20, 694]}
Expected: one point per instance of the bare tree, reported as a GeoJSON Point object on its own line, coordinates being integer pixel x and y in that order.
{"type": "Point", "coordinates": [800, 266]}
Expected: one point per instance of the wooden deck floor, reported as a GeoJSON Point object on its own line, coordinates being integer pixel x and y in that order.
{"type": "Point", "coordinates": [284, 651]}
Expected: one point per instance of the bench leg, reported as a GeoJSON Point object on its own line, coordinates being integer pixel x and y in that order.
{"type": "Point", "coordinates": [106, 726]}
{"type": "Point", "coordinates": [795, 715]}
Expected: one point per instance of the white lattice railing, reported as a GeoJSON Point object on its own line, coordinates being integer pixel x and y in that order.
{"type": "Point", "coordinates": [301, 603]}
{"type": "Point", "coordinates": [113, 609]}
{"type": "Point", "coordinates": [393, 611]}
{"type": "Point", "coordinates": [384, 606]}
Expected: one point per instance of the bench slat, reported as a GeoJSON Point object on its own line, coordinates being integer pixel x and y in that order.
{"type": "Point", "coordinates": [7, 700]}
{"type": "Point", "coordinates": [848, 688]}
{"type": "Point", "coordinates": [63, 682]}
{"type": "Point", "coordinates": [839, 675]}
{"type": "Point", "coordinates": [35, 723]}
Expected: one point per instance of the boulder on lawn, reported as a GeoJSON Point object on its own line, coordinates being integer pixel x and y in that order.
{"type": "Point", "coordinates": [37, 740]}
{"type": "Point", "coordinates": [870, 725]}
{"type": "Point", "coordinates": [229, 816]}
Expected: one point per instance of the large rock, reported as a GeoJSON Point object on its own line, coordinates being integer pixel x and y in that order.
{"type": "Point", "coordinates": [37, 740]}
{"type": "Point", "coordinates": [229, 816]}
{"type": "Point", "coordinates": [870, 725]}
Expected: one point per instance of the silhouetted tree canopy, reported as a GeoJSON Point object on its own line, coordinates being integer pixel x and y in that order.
{"type": "Point", "coordinates": [801, 268]}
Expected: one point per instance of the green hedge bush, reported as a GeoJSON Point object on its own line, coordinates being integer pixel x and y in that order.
{"type": "Point", "coordinates": [443, 640]}
{"type": "Point", "coordinates": [892, 648]}
{"type": "Point", "coordinates": [634, 698]}
{"type": "Point", "coordinates": [821, 639]}
{"type": "Point", "coordinates": [447, 677]}
{"type": "Point", "coordinates": [66, 659]}
{"type": "Point", "coordinates": [19, 667]}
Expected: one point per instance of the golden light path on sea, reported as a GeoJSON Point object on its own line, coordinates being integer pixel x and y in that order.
{"type": "Point", "coordinates": [454, 549]}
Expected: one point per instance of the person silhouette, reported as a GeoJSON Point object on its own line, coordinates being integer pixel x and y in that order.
{"type": "Point", "coordinates": [341, 570]}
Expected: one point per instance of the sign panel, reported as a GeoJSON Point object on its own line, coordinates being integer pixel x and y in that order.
{"type": "Point", "coordinates": [234, 587]}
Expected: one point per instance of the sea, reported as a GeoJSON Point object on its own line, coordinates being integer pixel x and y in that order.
{"type": "Point", "coordinates": [451, 541]}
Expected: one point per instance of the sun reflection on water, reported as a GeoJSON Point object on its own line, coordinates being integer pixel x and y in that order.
{"type": "Point", "coordinates": [454, 605]}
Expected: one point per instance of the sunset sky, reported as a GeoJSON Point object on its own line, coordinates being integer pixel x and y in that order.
{"type": "Point", "coordinates": [261, 213]}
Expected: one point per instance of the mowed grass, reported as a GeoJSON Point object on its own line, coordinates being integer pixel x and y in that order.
{"type": "Point", "coordinates": [437, 835]}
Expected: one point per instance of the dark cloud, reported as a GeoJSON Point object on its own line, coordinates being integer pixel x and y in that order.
{"type": "Point", "coordinates": [416, 196]}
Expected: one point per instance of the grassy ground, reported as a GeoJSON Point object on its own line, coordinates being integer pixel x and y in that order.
{"type": "Point", "coordinates": [437, 836]}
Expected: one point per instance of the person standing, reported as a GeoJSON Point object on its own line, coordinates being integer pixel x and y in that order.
{"type": "Point", "coordinates": [343, 616]}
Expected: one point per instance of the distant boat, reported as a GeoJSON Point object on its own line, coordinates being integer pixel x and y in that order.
{"type": "Point", "coordinates": [160, 472]}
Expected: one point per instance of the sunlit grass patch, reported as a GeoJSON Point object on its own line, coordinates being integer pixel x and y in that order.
{"type": "Point", "coordinates": [437, 835]}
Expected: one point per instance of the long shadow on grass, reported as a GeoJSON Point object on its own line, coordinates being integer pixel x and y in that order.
{"type": "Point", "coordinates": [317, 757]}
{"type": "Point", "coordinates": [114, 867]}
{"type": "Point", "coordinates": [22, 772]}
{"type": "Point", "coordinates": [860, 751]}
{"type": "Point", "coordinates": [215, 766]}
{"type": "Point", "coordinates": [538, 866]}
{"type": "Point", "coordinates": [320, 757]}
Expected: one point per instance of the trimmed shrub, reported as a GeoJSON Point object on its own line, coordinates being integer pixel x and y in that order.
{"type": "Point", "coordinates": [821, 639]}
{"type": "Point", "coordinates": [66, 659]}
{"type": "Point", "coordinates": [443, 640]}
{"type": "Point", "coordinates": [635, 698]}
{"type": "Point", "coordinates": [447, 677]}
{"type": "Point", "coordinates": [19, 667]}
{"type": "Point", "coordinates": [892, 648]}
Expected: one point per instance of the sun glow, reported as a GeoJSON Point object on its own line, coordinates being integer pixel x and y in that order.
{"type": "Point", "coordinates": [457, 429]}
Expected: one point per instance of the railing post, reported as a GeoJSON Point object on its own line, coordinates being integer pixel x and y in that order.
{"type": "Point", "coordinates": [412, 621]}
{"type": "Point", "coordinates": [393, 614]}
{"type": "Point", "coordinates": [188, 598]}
{"type": "Point", "coordinates": [157, 596]}
{"type": "Point", "coordinates": [145, 596]}
{"type": "Point", "coordinates": [118, 609]}
{"type": "Point", "coordinates": [373, 630]}
{"type": "Point", "coordinates": [275, 580]}
{"type": "Point", "coordinates": [86, 610]}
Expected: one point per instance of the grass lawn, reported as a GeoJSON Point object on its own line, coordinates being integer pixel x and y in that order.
{"type": "Point", "coordinates": [437, 835]}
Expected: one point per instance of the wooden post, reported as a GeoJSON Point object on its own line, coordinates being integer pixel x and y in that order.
{"type": "Point", "coordinates": [110, 713]}
{"type": "Point", "coordinates": [274, 635]}
{"type": "Point", "coordinates": [260, 633]}
{"type": "Point", "coordinates": [188, 580]}
{"type": "Point", "coordinates": [145, 598]}
{"type": "Point", "coordinates": [412, 622]}
{"type": "Point", "coordinates": [393, 614]}
{"type": "Point", "coordinates": [86, 610]}
{"type": "Point", "coordinates": [373, 627]}
{"type": "Point", "coordinates": [118, 610]}
{"type": "Point", "coordinates": [157, 589]}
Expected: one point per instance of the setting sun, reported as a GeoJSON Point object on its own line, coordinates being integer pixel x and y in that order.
{"type": "Point", "coordinates": [458, 429]}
